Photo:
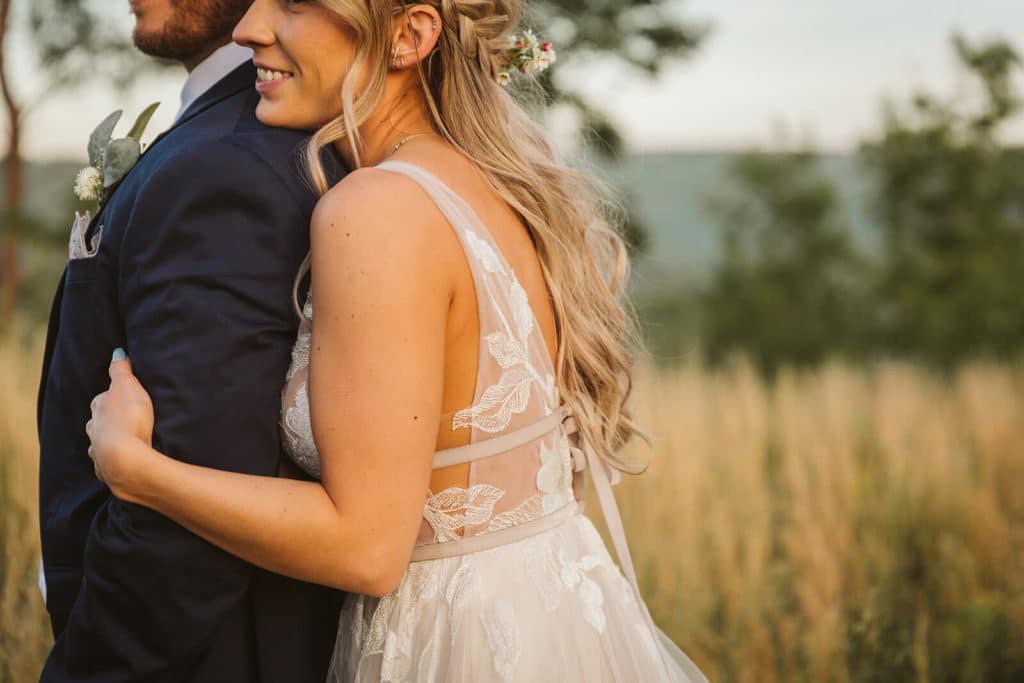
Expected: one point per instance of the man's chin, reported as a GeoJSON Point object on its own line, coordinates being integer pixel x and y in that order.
{"type": "Point", "coordinates": [162, 46]}
{"type": "Point", "coordinates": [149, 42]}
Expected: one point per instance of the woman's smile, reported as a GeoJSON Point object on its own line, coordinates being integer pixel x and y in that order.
{"type": "Point", "coordinates": [302, 52]}
{"type": "Point", "coordinates": [269, 78]}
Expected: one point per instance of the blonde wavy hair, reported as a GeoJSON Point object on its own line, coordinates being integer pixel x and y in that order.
{"type": "Point", "coordinates": [569, 219]}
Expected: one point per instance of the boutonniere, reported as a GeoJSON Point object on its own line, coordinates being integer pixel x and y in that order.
{"type": "Point", "coordinates": [109, 159]}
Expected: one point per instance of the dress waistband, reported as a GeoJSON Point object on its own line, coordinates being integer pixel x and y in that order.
{"type": "Point", "coordinates": [495, 539]}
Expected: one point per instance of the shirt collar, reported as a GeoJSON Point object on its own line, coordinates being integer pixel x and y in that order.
{"type": "Point", "coordinates": [223, 61]}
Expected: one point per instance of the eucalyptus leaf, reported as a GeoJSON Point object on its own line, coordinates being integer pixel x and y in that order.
{"type": "Point", "coordinates": [121, 155]}
{"type": "Point", "coordinates": [100, 138]}
{"type": "Point", "coordinates": [140, 123]}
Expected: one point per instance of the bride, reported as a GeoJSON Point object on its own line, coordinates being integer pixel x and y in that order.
{"type": "Point", "coordinates": [469, 359]}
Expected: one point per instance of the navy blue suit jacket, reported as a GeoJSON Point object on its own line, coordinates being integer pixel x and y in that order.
{"type": "Point", "coordinates": [193, 276]}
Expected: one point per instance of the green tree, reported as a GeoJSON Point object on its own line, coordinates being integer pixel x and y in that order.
{"type": "Point", "coordinates": [785, 291]}
{"type": "Point", "coordinates": [642, 35]}
{"type": "Point", "coordinates": [950, 199]}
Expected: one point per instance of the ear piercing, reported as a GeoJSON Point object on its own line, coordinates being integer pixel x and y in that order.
{"type": "Point", "coordinates": [397, 61]}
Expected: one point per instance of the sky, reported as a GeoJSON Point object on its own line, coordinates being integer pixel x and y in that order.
{"type": "Point", "coordinates": [815, 68]}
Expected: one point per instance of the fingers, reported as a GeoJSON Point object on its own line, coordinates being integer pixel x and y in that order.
{"type": "Point", "coordinates": [97, 404]}
{"type": "Point", "coordinates": [95, 465]}
{"type": "Point", "coordinates": [120, 365]}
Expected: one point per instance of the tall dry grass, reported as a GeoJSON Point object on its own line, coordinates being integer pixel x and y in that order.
{"type": "Point", "coordinates": [24, 629]}
{"type": "Point", "coordinates": [838, 525]}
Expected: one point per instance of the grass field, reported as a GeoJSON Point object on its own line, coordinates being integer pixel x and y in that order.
{"type": "Point", "coordinates": [862, 525]}
{"type": "Point", "coordinates": [24, 630]}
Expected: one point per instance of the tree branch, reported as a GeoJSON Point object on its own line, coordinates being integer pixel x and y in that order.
{"type": "Point", "coordinates": [13, 110]}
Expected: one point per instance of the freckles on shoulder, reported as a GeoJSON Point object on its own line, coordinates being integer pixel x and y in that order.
{"type": "Point", "coordinates": [380, 233]}
{"type": "Point", "coordinates": [383, 217]}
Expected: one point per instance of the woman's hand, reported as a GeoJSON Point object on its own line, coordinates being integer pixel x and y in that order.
{"type": "Point", "coordinates": [121, 428]}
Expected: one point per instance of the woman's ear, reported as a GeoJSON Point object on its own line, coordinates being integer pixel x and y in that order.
{"type": "Point", "coordinates": [416, 32]}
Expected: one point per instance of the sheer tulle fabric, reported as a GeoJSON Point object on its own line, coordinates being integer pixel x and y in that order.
{"type": "Point", "coordinates": [553, 607]}
{"type": "Point", "coordinates": [545, 606]}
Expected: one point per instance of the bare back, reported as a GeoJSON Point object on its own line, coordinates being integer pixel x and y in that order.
{"type": "Point", "coordinates": [463, 334]}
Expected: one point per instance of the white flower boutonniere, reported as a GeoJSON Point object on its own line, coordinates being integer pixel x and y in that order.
{"type": "Point", "coordinates": [109, 159]}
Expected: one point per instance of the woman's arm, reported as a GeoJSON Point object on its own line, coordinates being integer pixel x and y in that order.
{"type": "Point", "coordinates": [382, 283]}
{"type": "Point", "coordinates": [285, 526]}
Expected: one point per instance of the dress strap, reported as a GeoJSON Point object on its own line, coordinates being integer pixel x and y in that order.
{"type": "Point", "coordinates": [459, 214]}
{"type": "Point", "coordinates": [461, 455]}
{"type": "Point", "coordinates": [584, 457]}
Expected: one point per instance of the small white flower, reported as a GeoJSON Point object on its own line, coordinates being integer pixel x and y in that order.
{"type": "Point", "coordinates": [89, 184]}
{"type": "Point", "coordinates": [525, 54]}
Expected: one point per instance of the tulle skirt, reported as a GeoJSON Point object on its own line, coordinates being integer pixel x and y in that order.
{"type": "Point", "coordinates": [553, 607]}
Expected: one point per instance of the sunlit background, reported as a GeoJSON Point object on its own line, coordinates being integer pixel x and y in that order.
{"type": "Point", "coordinates": [826, 205]}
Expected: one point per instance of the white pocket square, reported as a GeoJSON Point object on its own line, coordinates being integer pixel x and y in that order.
{"type": "Point", "coordinates": [77, 248]}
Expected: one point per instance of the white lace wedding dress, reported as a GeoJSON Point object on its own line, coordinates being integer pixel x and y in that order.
{"type": "Point", "coordinates": [509, 581]}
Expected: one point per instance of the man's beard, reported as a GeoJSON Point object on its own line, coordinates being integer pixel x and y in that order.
{"type": "Point", "coordinates": [195, 27]}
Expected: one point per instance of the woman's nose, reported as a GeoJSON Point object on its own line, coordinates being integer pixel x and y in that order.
{"type": "Point", "coordinates": [254, 30]}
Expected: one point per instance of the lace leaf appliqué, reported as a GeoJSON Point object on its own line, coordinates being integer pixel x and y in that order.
{"type": "Point", "coordinates": [521, 311]}
{"type": "Point", "coordinates": [503, 638]}
{"type": "Point", "coordinates": [456, 508]}
{"type": "Point", "coordinates": [554, 478]}
{"type": "Point", "coordinates": [506, 350]}
{"type": "Point", "coordinates": [500, 402]}
{"type": "Point", "coordinates": [574, 578]}
{"type": "Point", "coordinates": [509, 349]}
{"type": "Point", "coordinates": [530, 509]}
{"type": "Point", "coordinates": [484, 253]}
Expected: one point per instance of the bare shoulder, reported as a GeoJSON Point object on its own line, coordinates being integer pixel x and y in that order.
{"type": "Point", "coordinates": [377, 217]}
{"type": "Point", "coordinates": [375, 204]}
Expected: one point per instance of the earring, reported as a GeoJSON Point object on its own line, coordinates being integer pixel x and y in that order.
{"type": "Point", "coordinates": [394, 57]}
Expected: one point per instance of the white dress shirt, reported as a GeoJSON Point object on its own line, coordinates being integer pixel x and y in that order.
{"type": "Point", "coordinates": [223, 61]}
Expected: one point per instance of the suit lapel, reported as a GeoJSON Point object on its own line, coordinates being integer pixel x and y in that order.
{"type": "Point", "coordinates": [240, 79]}
{"type": "Point", "coordinates": [235, 82]}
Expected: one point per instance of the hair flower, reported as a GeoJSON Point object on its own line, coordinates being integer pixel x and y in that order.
{"type": "Point", "coordinates": [525, 54]}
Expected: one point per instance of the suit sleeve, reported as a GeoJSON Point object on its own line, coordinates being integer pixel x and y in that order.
{"type": "Point", "coordinates": [205, 278]}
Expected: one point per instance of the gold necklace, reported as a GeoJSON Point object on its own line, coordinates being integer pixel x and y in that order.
{"type": "Point", "coordinates": [407, 139]}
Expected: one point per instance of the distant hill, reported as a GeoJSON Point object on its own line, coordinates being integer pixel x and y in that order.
{"type": "Point", "coordinates": [669, 190]}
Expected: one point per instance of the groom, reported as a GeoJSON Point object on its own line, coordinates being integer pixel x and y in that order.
{"type": "Point", "coordinates": [197, 250]}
